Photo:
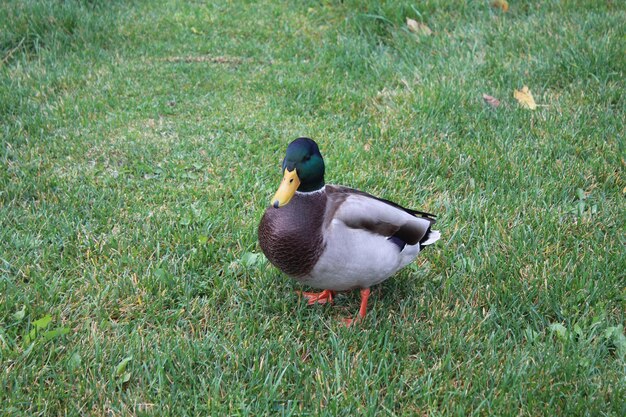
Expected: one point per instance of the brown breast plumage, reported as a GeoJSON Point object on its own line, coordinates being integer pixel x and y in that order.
{"type": "Point", "coordinates": [291, 236]}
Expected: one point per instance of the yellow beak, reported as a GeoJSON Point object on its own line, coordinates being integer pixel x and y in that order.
{"type": "Point", "coordinates": [287, 189]}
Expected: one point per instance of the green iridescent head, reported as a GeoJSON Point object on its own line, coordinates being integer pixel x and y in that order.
{"type": "Point", "coordinates": [303, 170]}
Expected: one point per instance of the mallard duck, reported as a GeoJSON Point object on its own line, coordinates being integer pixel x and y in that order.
{"type": "Point", "coordinates": [336, 238]}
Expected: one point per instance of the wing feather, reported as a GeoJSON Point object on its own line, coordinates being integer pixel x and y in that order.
{"type": "Point", "coordinates": [360, 210]}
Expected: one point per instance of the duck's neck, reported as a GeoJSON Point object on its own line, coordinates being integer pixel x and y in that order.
{"type": "Point", "coordinates": [307, 193]}
{"type": "Point", "coordinates": [311, 187]}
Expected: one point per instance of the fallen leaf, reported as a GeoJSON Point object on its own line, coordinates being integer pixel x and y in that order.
{"type": "Point", "coordinates": [412, 24]}
{"type": "Point", "coordinates": [418, 27]}
{"type": "Point", "coordinates": [492, 101]}
{"type": "Point", "coordinates": [525, 98]}
{"type": "Point", "coordinates": [500, 4]}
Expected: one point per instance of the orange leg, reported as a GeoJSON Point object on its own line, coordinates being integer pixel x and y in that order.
{"type": "Point", "coordinates": [365, 295]}
{"type": "Point", "coordinates": [323, 297]}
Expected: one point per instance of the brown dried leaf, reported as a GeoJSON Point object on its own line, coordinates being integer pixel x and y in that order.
{"type": "Point", "coordinates": [500, 4]}
{"type": "Point", "coordinates": [525, 98]}
{"type": "Point", "coordinates": [418, 27]}
{"type": "Point", "coordinates": [492, 101]}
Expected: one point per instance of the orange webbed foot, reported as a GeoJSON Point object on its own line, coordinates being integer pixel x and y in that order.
{"type": "Point", "coordinates": [349, 322]}
{"type": "Point", "coordinates": [365, 295]}
{"type": "Point", "coordinates": [323, 297]}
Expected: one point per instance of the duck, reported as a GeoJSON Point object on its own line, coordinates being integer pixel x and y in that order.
{"type": "Point", "coordinates": [336, 238]}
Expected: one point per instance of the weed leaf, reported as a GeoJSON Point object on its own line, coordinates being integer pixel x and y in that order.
{"type": "Point", "coordinates": [42, 323]}
{"type": "Point", "coordinates": [19, 315]}
{"type": "Point", "coordinates": [121, 375]}
{"type": "Point", "coordinates": [249, 259]}
{"type": "Point", "coordinates": [51, 334]}
{"type": "Point", "coordinates": [37, 327]}
{"type": "Point", "coordinates": [75, 361]}
{"type": "Point", "coordinates": [120, 369]}
{"type": "Point", "coordinates": [615, 336]}
{"type": "Point", "coordinates": [559, 330]}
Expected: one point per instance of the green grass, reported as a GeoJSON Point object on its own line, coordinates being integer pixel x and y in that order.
{"type": "Point", "coordinates": [141, 143]}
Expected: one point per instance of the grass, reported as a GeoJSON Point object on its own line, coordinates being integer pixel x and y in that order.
{"type": "Point", "coordinates": [141, 142]}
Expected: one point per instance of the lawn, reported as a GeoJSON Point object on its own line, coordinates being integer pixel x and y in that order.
{"type": "Point", "coordinates": [141, 143]}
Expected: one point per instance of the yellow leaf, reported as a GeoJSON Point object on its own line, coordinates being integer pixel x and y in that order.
{"type": "Point", "coordinates": [418, 27]}
{"type": "Point", "coordinates": [525, 98]}
{"type": "Point", "coordinates": [500, 4]}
